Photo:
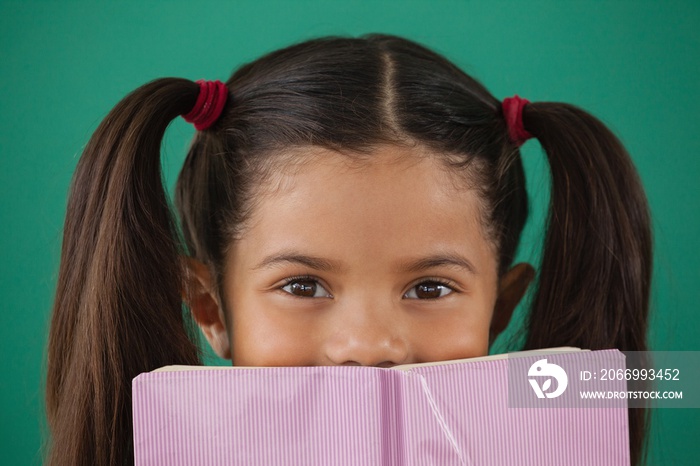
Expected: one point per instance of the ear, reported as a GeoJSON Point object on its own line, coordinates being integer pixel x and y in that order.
{"type": "Point", "coordinates": [201, 297]}
{"type": "Point", "coordinates": [511, 289]}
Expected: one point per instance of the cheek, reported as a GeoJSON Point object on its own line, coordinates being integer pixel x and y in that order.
{"type": "Point", "coordinates": [457, 336]}
{"type": "Point", "coordinates": [261, 337]}
{"type": "Point", "coordinates": [265, 335]}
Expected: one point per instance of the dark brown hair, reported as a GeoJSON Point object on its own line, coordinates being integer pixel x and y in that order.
{"type": "Point", "coordinates": [118, 309]}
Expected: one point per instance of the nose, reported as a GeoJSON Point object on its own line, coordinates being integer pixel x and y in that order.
{"type": "Point", "coordinates": [368, 337]}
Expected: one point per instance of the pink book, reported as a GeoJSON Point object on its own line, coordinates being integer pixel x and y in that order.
{"type": "Point", "coordinates": [499, 410]}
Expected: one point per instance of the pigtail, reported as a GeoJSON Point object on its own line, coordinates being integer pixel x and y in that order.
{"type": "Point", "coordinates": [594, 285]}
{"type": "Point", "coordinates": [118, 307]}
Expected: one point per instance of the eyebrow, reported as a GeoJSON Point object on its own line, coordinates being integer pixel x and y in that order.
{"type": "Point", "coordinates": [326, 265]}
{"type": "Point", "coordinates": [440, 260]}
{"type": "Point", "coordinates": [293, 257]}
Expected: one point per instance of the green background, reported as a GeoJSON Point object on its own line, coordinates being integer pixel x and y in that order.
{"type": "Point", "coordinates": [63, 65]}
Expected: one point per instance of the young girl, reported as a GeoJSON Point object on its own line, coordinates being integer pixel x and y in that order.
{"type": "Point", "coordinates": [344, 201]}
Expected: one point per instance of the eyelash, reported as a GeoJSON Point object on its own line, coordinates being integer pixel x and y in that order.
{"type": "Point", "coordinates": [302, 278]}
{"type": "Point", "coordinates": [451, 286]}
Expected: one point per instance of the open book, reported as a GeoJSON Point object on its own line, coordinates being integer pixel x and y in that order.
{"type": "Point", "coordinates": [482, 411]}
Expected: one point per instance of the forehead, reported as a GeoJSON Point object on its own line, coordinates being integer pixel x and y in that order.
{"type": "Point", "coordinates": [376, 205]}
{"type": "Point", "coordinates": [384, 171]}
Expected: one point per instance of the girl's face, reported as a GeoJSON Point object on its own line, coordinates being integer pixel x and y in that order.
{"type": "Point", "coordinates": [376, 262]}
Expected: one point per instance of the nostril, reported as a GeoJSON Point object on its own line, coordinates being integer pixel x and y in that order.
{"type": "Point", "coordinates": [359, 352]}
{"type": "Point", "coordinates": [386, 364]}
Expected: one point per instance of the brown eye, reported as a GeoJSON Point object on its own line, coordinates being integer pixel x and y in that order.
{"type": "Point", "coordinates": [306, 288]}
{"type": "Point", "coordinates": [428, 290]}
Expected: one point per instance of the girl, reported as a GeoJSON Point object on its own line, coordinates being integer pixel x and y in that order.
{"type": "Point", "coordinates": [345, 201]}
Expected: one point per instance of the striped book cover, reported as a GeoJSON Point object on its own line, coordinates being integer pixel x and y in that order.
{"type": "Point", "coordinates": [465, 413]}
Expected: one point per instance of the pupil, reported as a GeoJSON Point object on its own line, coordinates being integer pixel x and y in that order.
{"type": "Point", "coordinates": [428, 291]}
{"type": "Point", "coordinates": [305, 289]}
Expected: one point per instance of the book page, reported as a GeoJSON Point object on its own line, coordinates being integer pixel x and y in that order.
{"type": "Point", "coordinates": [404, 367]}
{"type": "Point", "coordinates": [491, 357]}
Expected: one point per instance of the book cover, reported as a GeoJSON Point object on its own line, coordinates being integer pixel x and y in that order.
{"type": "Point", "coordinates": [465, 413]}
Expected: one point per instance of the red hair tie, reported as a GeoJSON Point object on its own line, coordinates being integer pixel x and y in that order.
{"type": "Point", "coordinates": [513, 113]}
{"type": "Point", "coordinates": [210, 102]}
